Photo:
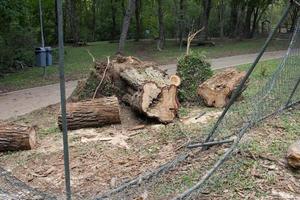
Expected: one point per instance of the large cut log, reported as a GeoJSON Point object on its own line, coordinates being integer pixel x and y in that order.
{"type": "Point", "coordinates": [143, 86]}
{"type": "Point", "coordinates": [16, 137]}
{"type": "Point", "coordinates": [293, 155]}
{"type": "Point", "coordinates": [152, 93]}
{"type": "Point", "coordinates": [92, 113]}
{"type": "Point", "coordinates": [217, 90]}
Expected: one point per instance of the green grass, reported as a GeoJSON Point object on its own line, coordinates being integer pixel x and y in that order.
{"type": "Point", "coordinates": [78, 62]}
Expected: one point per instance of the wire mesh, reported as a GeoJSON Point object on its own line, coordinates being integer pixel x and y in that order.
{"type": "Point", "coordinates": [268, 92]}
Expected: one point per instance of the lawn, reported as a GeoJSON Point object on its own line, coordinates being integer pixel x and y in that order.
{"type": "Point", "coordinates": [78, 62]}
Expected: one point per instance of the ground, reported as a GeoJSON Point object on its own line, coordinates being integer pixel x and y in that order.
{"type": "Point", "coordinates": [103, 158]}
{"type": "Point", "coordinates": [78, 62]}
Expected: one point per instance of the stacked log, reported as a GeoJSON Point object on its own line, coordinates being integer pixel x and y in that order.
{"type": "Point", "coordinates": [16, 137]}
{"type": "Point", "coordinates": [217, 90]}
{"type": "Point", "coordinates": [92, 113]}
{"type": "Point", "coordinates": [141, 85]}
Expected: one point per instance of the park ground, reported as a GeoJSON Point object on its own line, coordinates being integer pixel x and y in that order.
{"type": "Point", "coordinates": [103, 158]}
{"type": "Point", "coordinates": [78, 62]}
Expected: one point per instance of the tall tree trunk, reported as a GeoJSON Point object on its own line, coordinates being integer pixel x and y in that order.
{"type": "Point", "coordinates": [205, 19]}
{"type": "Point", "coordinates": [113, 19]}
{"type": "Point", "coordinates": [254, 23]}
{"type": "Point", "coordinates": [233, 18]}
{"type": "Point", "coordinates": [94, 19]}
{"type": "Point", "coordinates": [161, 39]}
{"type": "Point", "coordinates": [247, 23]}
{"type": "Point", "coordinates": [125, 26]}
{"type": "Point", "coordinates": [138, 6]}
{"type": "Point", "coordinates": [181, 21]}
{"type": "Point", "coordinates": [294, 17]}
{"type": "Point", "coordinates": [56, 23]}
{"type": "Point", "coordinates": [222, 10]}
{"type": "Point", "coordinates": [74, 23]}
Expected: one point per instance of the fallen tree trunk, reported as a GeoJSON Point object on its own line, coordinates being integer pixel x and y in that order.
{"type": "Point", "coordinates": [141, 85]}
{"type": "Point", "coordinates": [16, 137]}
{"type": "Point", "coordinates": [293, 155]}
{"type": "Point", "coordinates": [92, 113]}
{"type": "Point", "coordinates": [217, 90]}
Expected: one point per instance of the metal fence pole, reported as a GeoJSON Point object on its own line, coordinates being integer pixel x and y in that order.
{"type": "Point", "coordinates": [63, 98]}
{"type": "Point", "coordinates": [239, 89]}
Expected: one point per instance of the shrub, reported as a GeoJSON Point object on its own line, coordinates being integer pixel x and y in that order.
{"type": "Point", "coordinates": [193, 70]}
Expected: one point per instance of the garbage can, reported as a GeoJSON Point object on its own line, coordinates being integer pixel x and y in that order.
{"type": "Point", "coordinates": [48, 56]}
{"type": "Point", "coordinates": [40, 56]}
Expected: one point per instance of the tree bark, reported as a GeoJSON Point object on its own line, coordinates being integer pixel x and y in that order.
{"type": "Point", "coordinates": [92, 113]}
{"type": "Point", "coordinates": [161, 38]}
{"type": "Point", "coordinates": [125, 26]}
{"type": "Point", "coordinates": [205, 19]}
{"type": "Point", "coordinates": [147, 89]}
{"type": "Point", "coordinates": [74, 23]}
{"type": "Point", "coordinates": [222, 10]}
{"type": "Point", "coordinates": [217, 90]}
{"type": "Point", "coordinates": [181, 21]}
{"type": "Point", "coordinates": [113, 20]}
{"type": "Point", "coordinates": [16, 137]}
{"type": "Point", "coordinates": [138, 7]}
{"type": "Point", "coordinates": [94, 20]}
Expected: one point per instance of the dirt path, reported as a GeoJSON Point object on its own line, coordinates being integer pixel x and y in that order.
{"type": "Point", "coordinates": [20, 102]}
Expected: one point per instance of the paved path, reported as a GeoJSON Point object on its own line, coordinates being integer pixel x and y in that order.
{"type": "Point", "coordinates": [232, 61]}
{"type": "Point", "coordinates": [20, 102]}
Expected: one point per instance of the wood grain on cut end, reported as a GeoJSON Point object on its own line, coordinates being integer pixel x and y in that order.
{"type": "Point", "coordinates": [217, 90]}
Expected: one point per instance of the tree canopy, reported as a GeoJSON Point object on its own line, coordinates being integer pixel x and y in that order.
{"type": "Point", "coordinates": [118, 20]}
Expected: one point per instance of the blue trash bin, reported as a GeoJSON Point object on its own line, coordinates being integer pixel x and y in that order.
{"type": "Point", "coordinates": [40, 56]}
{"type": "Point", "coordinates": [48, 56]}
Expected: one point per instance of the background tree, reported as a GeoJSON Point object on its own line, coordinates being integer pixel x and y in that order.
{"type": "Point", "coordinates": [125, 26]}
{"type": "Point", "coordinates": [161, 29]}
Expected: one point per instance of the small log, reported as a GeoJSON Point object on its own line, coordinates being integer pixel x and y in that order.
{"type": "Point", "coordinates": [15, 137]}
{"type": "Point", "coordinates": [217, 90]}
{"type": "Point", "coordinates": [92, 113]}
{"type": "Point", "coordinates": [293, 155]}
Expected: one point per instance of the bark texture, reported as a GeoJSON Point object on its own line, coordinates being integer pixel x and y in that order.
{"type": "Point", "coordinates": [92, 113]}
{"type": "Point", "coordinates": [293, 155]}
{"type": "Point", "coordinates": [143, 86]}
{"type": "Point", "coordinates": [16, 137]}
{"type": "Point", "coordinates": [217, 90]}
{"type": "Point", "coordinates": [125, 26]}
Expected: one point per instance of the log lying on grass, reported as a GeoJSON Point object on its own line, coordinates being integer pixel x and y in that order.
{"type": "Point", "coordinates": [92, 113]}
{"type": "Point", "coordinates": [217, 90]}
{"type": "Point", "coordinates": [293, 155]}
{"type": "Point", "coordinates": [143, 86]}
{"type": "Point", "coordinates": [15, 137]}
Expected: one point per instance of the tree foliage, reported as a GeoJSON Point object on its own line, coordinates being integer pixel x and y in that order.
{"type": "Point", "coordinates": [94, 20]}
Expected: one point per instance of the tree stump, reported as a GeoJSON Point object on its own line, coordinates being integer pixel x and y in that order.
{"type": "Point", "coordinates": [15, 137]}
{"type": "Point", "coordinates": [92, 113]}
{"type": "Point", "coordinates": [217, 90]}
{"type": "Point", "coordinates": [293, 155]}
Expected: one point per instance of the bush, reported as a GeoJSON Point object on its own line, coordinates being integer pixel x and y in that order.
{"type": "Point", "coordinates": [193, 70]}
